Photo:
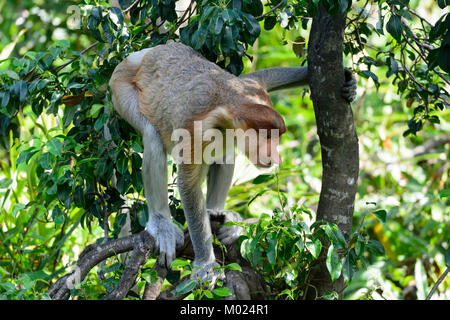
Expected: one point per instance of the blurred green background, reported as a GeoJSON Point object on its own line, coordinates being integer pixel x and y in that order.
{"type": "Point", "coordinates": [402, 175]}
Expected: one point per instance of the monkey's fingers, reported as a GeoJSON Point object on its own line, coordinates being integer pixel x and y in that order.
{"type": "Point", "coordinates": [167, 237]}
{"type": "Point", "coordinates": [349, 89]}
{"type": "Point", "coordinates": [348, 92]}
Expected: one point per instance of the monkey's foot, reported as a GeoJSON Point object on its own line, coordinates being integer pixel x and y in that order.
{"type": "Point", "coordinates": [207, 274]}
{"type": "Point", "coordinates": [226, 234]}
{"type": "Point", "coordinates": [167, 236]}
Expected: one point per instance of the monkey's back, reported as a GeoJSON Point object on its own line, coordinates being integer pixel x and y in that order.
{"type": "Point", "coordinates": [176, 84]}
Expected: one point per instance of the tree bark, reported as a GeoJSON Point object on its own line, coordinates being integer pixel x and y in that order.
{"type": "Point", "coordinates": [337, 134]}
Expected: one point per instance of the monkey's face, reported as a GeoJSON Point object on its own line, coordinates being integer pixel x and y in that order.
{"type": "Point", "coordinates": [260, 146]}
{"type": "Point", "coordinates": [267, 152]}
{"type": "Point", "coordinates": [259, 128]}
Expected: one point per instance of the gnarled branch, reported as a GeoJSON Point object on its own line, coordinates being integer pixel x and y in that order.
{"type": "Point", "coordinates": [247, 284]}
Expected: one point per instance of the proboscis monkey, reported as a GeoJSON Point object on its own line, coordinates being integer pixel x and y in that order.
{"type": "Point", "coordinates": [168, 87]}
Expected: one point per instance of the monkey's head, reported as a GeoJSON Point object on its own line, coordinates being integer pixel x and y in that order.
{"type": "Point", "coordinates": [259, 128]}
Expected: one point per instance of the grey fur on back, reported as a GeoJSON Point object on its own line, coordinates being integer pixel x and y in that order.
{"type": "Point", "coordinates": [175, 75]}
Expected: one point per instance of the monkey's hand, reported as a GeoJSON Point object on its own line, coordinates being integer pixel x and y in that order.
{"type": "Point", "coordinates": [167, 236]}
{"type": "Point", "coordinates": [226, 234]}
{"type": "Point", "coordinates": [349, 88]}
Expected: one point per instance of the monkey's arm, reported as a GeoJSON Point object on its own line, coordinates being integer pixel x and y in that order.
{"type": "Point", "coordinates": [289, 77]}
{"type": "Point", "coordinates": [280, 78]}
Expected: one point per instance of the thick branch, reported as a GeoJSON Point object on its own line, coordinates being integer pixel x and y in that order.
{"type": "Point", "coordinates": [336, 130]}
{"type": "Point", "coordinates": [142, 245]}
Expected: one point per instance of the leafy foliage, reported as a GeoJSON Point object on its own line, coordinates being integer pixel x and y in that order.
{"type": "Point", "coordinates": [286, 249]}
{"type": "Point", "coordinates": [57, 162]}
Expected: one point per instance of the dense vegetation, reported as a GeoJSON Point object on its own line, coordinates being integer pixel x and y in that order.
{"type": "Point", "coordinates": [56, 190]}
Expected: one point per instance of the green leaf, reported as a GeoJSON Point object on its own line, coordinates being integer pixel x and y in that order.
{"type": "Point", "coordinates": [217, 25]}
{"type": "Point", "coordinates": [57, 215]}
{"type": "Point", "coordinates": [185, 287]}
{"type": "Point", "coordinates": [443, 57]}
{"type": "Point", "coordinates": [330, 295]}
{"type": "Point", "coordinates": [314, 247]}
{"type": "Point", "coordinates": [198, 39]}
{"type": "Point", "coordinates": [343, 5]}
{"type": "Point", "coordinates": [122, 164]}
{"type": "Point", "coordinates": [263, 178]}
{"type": "Point", "coordinates": [447, 257]}
{"type": "Point", "coordinates": [270, 22]}
{"type": "Point", "coordinates": [233, 266]}
{"type": "Point", "coordinates": [99, 123]}
{"type": "Point", "coordinates": [208, 12]}
{"type": "Point", "coordinates": [272, 239]}
{"type": "Point", "coordinates": [179, 263]}
{"type": "Point", "coordinates": [348, 266]}
{"type": "Point", "coordinates": [252, 25]}
{"type": "Point", "coordinates": [337, 238]}
{"type": "Point", "coordinates": [142, 215]}
{"type": "Point", "coordinates": [334, 264]}
{"type": "Point", "coordinates": [369, 74]}
{"type": "Point", "coordinates": [8, 287]}
{"type": "Point", "coordinates": [5, 183]}
{"type": "Point", "coordinates": [443, 3]}
{"type": "Point", "coordinates": [376, 246]}
{"type": "Point", "coordinates": [37, 275]}
{"type": "Point", "coordinates": [151, 276]}
{"type": "Point", "coordinates": [256, 196]}
{"type": "Point", "coordinates": [18, 207]}
{"type": "Point", "coordinates": [394, 27]}
{"type": "Point", "coordinates": [87, 160]}
{"type": "Point", "coordinates": [75, 85]}
{"type": "Point", "coordinates": [95, 110]}
{"type": "Point", "coordinates": [62, 44]}
{"type": "Point", "coordinates": [222, 292]}
{"type": "Point", "coordinates": [23, 90]}
{"type": "Point", "coordinates": [5, 98]}
{"type": "Point", "coordinates": [445, 193]}
{"type": "Point", "coordinates": [420, 276]}
{"type": "Point", "coordinates": [381, 215]}
{"type": "Point", "coordinates": [245, 248]}
{"type": "Point", "coordinates": [10, 73]}
{"type": "Point", "coordinates": [55, 146]}
{"type": "Point", "coordinates": [227, 16]}
{"type": "Point", "coordinates": [46, 161]}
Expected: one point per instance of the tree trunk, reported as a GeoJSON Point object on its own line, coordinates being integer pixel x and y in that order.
{"type": "Point", "coordinates": [337, 134]}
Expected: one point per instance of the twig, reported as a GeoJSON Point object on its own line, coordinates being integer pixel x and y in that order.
{"type": "Point", "coordinates": [441, 278]}
{"type": "Point", "coordinates": [131, 6]}
{"type": "Point", "coordinates": [419, 16]}
{"type": "Point", "coordinates": [59, 68]}
{"type": "Point", "coordinates": [271, 10]}
{"type": "Point", "coordinates": [358, 16]}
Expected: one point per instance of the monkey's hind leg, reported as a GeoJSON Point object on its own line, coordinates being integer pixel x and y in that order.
{"type": "Point", "coordinates": [154, 173]}
{"type": "Point", "coordinates": [219, 182]}
{"type": "Point", "coordinates": [190, 178]}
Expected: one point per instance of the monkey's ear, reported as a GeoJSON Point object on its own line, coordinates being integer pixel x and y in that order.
{"type": "Point", "coordinates": [258, 116]}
